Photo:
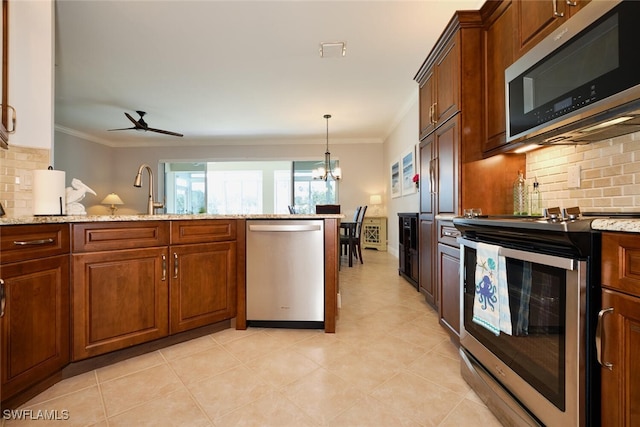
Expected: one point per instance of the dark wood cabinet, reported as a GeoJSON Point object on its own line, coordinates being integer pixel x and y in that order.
{"type": "Point", "coordinates": [34, 320]}
{"type": "Point", "coordinates": [448, 277]}
{"type": "Point", "coordinates": [408, 247]}
{"type": "Point", "coordinates": [619, 329]}
{"type": "Point", "coordinates": [203, 275]}
{"type": "Point", "coordinates": [536, 19]}
{"type": "Point", "coordinates": [497, 55]}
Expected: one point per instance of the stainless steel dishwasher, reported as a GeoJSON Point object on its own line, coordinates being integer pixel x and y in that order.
{"type": "Point", "coordinates": [285, 273]}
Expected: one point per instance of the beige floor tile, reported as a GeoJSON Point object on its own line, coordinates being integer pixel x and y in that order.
{"type": "Point", "coordinates": [469, 413]}
{"type": "Point", "coordinates": [69, 385]}
{"type": "Point", "coordinates": [204, 364]}
{"type": "Point", "coordinates": [228, 391]}
{"type": "Point", "coordinates": [322, 395]}
{"type": "Point", "coordinates": [425, 402]}
{"type": "Point", "coordinates": [282, 367]}
{"type": "Point", "coordinates": [132, 390]}
{"type": "Point", "coordinates": [368, 412]}
{"type": "Point", "coordinates": [81, 408]}
{"type": "Point", "coordinates": [255, 345]}
{"type": "Point", "coordinates": [188, 348]}
{"type": "Point", "coordinates": [129, 366]}
{"type": "Point", "coordinates": [228, 335]}
{"type": "Point", "coordinates": [175, 409]}
{"type": "Point", "coordinates": [271, 410]}
{"type": "Point", "coordinates": [362, 369]}
{"type": "Point", "coordinates": [441, 370]}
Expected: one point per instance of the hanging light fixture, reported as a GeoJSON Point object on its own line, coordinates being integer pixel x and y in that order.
{"type": "Point", "coordinates": [324, 172]}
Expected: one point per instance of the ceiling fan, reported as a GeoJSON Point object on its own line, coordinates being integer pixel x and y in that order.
{"type": "Point", "coordinates": [140, 124]}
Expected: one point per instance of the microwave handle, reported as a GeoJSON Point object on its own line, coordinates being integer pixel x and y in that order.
{"type": "Point", "coordinates": [534, 257]}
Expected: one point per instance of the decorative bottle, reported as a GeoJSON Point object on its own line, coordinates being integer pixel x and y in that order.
{"type": "Point", "coordinates": [536, 199]}
{"type": "Point", "coordinates": [520, 196]}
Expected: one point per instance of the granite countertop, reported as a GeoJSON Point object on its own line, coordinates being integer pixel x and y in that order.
{"type": "Point", "coordinates": [613, 224]}
{"type": "Point", "coordinates": [164, 217]}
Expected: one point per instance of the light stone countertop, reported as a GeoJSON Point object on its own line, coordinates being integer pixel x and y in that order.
{"type": "Point", "coordinates": [58, 219]}
{"type": "Point", "coordinates": [613, 224]}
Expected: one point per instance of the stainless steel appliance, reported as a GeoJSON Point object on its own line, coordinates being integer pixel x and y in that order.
{"type": "Point", "coordinates": [580, 84]}
{"type": "Point", "coordinates": [285, 273]}
{"type": "Point", "coordinates": [544, 371]}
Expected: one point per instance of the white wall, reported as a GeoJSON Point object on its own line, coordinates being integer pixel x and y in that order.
{"type": "Point", "coordinates": [402, 139]}
{"type": "Point", "coordinates": [31, 75]}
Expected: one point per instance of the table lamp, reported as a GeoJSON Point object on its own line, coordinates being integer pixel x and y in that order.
{"type": "Point", "coordinates": [112, 199]}
{"type": "Point", "coordinates": [375, 200]}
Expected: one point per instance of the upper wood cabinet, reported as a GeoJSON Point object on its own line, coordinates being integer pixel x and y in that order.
{"type": "Point", "coordinates": [536, 19]}
{"type": "Point", "coordinates": [497, 55]}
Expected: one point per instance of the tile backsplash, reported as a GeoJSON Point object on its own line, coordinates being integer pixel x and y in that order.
{"type": "Point", "coordinates": [609, 175]}
{"type": "Point", "coordinates": [16, 171]}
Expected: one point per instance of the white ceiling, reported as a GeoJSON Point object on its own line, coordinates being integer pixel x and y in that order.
{"type": "Point", "coordinates": [221, 71]}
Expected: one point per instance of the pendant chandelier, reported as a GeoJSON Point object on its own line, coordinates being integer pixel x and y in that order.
{"type": "Point", "coordinates": [324, 172]}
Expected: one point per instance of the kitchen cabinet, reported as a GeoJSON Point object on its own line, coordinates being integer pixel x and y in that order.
{"type": "Point", "coordinates": [203, 273]}
{"type": "Point", "coordinates": [536, 19]}
{"type": "Point", "coordinates": [619, 329]}
{"type": "Point", "coordinates": [120, 286]}
{"type": "Point", "coordinates": [34, 317]}
{"type": "Point", "coordinates": [448, 277]}
{"type": "Point", "coordinates": [408, 247]}
{"type": "Point", "coordinates": [497, 55]}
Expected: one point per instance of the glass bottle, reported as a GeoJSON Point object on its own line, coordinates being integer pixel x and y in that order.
{"type": "Point", "coordinates": [536, 199]}
{"type": "Point", "coordinates": [520, 196]}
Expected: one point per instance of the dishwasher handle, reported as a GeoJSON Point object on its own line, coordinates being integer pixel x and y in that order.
{"type": "Point", "coordinates": [284, 227]}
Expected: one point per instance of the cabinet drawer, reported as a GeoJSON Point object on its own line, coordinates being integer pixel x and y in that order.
{"type": "Point", "coordinates": [621, 262]}
{"type": "Point", "coordinates": [448, 233]}
{"type": "Point", "coordinates": [202, 231]}
{"type": "Point", "coordinates": [25, 242]}
{"type": "Point", "coordinates": [93, 237]}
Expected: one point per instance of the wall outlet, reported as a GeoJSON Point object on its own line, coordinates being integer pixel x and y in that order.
{"type": "Point", "coordinates": [573, 176]}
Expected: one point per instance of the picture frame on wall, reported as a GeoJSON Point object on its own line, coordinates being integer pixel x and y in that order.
{"type": "Point", "coordinates": [396, 179]}
{"type": "Point", "coordinates": [408, 172]}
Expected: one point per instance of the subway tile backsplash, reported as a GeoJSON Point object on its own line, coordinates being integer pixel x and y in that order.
{"type": "Point", "coordinates": [609, 175]}
{"type": "Point", "coordinates": [17, 164]}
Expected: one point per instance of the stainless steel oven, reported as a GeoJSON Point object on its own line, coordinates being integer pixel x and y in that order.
{"type": "Point", "coordinates": [541, 369]}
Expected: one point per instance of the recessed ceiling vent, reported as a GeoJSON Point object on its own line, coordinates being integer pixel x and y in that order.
{"type": "Point", "coordinates": [333, 49]}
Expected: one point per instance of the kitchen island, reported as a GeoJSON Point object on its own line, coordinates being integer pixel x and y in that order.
{"type": "Point", "coordinates": [84, 291]}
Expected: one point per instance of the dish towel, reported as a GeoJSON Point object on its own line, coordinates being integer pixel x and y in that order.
{"type": "Point", "coordinates": [491, 302]}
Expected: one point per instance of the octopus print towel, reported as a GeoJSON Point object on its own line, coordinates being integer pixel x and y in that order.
{"type": "Point", "coordinates": [491, 301]}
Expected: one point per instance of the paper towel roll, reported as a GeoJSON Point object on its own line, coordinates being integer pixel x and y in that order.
{"type": "Point", "coordinates": [48, 192]}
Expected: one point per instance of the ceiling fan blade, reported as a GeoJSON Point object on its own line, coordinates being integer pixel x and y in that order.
{"type": "Point", "coordinates": [134, 121]}
{"type": "Point", "coordinates": [166, 132]}
{"type": "Point", "coordinates": [134, 128]}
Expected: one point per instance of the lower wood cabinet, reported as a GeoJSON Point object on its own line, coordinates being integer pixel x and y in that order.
{"type": "Point", "coordinates": [120, 298]}
{"type": "Point", "coordinates": [619, 329]}
{"type": "Point", "coordinates": [34, 322]}
{"type": "Point", "coordinates": [448, 273]}
{"type": "Point", "coordinates": [203, 279]}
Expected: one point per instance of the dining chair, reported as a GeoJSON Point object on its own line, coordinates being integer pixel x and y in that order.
{"type": "Point", "coordinates": [351, 242]}
{"type": "Point", "coordinates": [292, 210]}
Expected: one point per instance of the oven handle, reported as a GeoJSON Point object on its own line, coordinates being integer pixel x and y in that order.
{"type": "Point", "coordinates": [600, 337]}
{"type": "Point", "coordinates": [543, 259]}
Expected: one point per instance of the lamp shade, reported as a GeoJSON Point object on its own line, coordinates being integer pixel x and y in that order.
{"type": "Point", "coordinates": [375, 199]}
{"type": "Point", "coordinates": [112, 199]}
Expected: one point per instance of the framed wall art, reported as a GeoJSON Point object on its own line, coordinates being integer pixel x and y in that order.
{"type": "Point", "coordinates": [396, 179]}
{"type": "Point", "coordinates": [408, 172]}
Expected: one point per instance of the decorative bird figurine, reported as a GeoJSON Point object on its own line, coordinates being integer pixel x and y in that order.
{"type": "Point", "coordinates": [74, 195]}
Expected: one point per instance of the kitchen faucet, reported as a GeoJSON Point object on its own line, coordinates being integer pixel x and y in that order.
{"type": "Point", "coordinates": [138, 183]}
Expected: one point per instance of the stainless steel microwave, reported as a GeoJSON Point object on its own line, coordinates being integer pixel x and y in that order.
{"type": "Point", "coordinates": [580, 84]}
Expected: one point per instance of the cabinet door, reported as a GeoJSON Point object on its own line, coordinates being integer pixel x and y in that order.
{"type": "Point", "coordinates": [536, 19]}
{"type": "Point", "coordinates": [447, 175]}
{"type": "Point", "coordinates": [498, 55]}
{"type": "Point", "coordinates": [447, 92]}
{"type": "Point", "coordinates": [449, 287]}
{"type": "Point", "coordinates": [427, 282]}
{"type": "Point", "coordinates": [620, 403]}
{"type": "Point", "coordinates": [426, 95]}
{"type": "Point", "coordinates": [203, 284]}
{"type": "Point", "coordinates": [120, 299]}
{"type": "Point", "coordinates": [35, 324]}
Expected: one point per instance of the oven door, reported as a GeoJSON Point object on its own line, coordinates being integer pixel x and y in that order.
{"type": "Point", "coordinates": [540, 362]}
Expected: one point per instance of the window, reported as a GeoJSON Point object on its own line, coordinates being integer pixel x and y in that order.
{"type": "Point", "coordinates": [251, 187]}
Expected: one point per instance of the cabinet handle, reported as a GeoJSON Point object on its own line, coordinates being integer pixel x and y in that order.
{"type": "Point", "coordinates": [431, 176]}
{"type": "Point", "coordinates": [175, 265]}
{"type": "Point", "coordinates": [3, 299]}
{"type": "Point", "coordinates": [433, 114]}
{"type": "Point", "coordinates": [600, 337]}
{"type": "Point", "coordinates": [448, 233]}
{"type": "Point", "coordinates": [32, 242]}
{"type": "Point", "coordinates": [164, 267]}
{"type": "Point", "coordinates": [557, 14]}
